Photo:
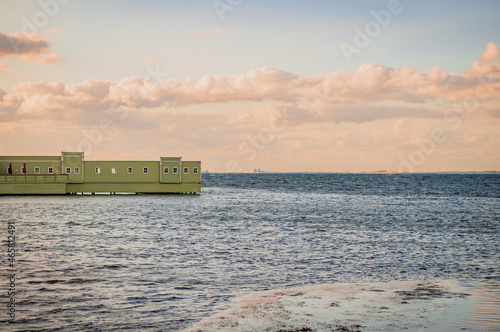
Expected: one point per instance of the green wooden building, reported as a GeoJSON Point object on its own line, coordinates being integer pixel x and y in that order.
{"type": "Point", "coordinates": [69, 173]}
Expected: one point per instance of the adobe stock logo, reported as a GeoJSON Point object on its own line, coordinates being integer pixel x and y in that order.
{"type": "Point", "coordinates": [94, 137]}
{"type": "Point", "coordinates": [454, 115]}
{"type": "Point", "coordinates": [373, 28]}
{"type": "Point", "coordinates": [255, 144]}
{"type": "Point", "coordinates": [49, 9]}
{"type": "Point", "coordinates": [222, 7]}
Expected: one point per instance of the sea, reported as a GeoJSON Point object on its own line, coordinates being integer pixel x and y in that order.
{"type": "Point", "coordinates": [165, 262]}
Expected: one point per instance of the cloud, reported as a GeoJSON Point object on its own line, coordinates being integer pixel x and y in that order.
{"type": "Point", "coordinates": [486, 64]}
{"type": "Point", "coordinates": [372, 92]}
{"type": "Point", "coordinates": [220, 31]}
{"type": "Point", "coordinates": [209, 34]}
{"type": "Point", "coordinates": [151, 61]}
{"type": "Point", "coordinates": [28, 46]}
{"type": "Point", "coordinates": [321, 113]}
{"type": "Point", "coordinates": [43, 58]}
{"type": "Point", "coordinates": [4, 68]}
{"type": "Point", "coordinates": [492, 53]}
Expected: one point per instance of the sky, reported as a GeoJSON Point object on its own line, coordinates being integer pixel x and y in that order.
{"type": "Point", "coordinates": [284, 86]}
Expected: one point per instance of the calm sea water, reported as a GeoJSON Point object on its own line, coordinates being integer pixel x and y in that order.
{"type": "Point", "coordinates": [163, 262]}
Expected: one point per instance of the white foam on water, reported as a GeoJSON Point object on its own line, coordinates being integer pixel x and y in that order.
{"type": "Point", "coordinates": [413, 306]}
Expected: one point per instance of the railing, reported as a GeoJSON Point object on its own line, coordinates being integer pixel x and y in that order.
{"type": "Point", "coordinates": [34, 178]}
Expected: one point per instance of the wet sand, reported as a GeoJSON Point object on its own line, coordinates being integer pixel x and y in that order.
{"type": "Point", "coordinates": [396, 306]}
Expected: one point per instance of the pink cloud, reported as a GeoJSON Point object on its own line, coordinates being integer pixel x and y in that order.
{"type": "Point", "coordinates": [486, 64]}
{"type": "Point", "coordinates": [151, 61]}
{"type": "Point", "coordinates": [372, 92]}
{"type": "Point", "coordinates": [492, 53]}
{"type": "Point", "coordinates": [208, 34]}
{"type": "Point", "coordinates": [4, 68]}
{"type": "Point", "coordinates": [220, 31]}
{"type": "Point", "coordinates": [43, 58]}
{"type": "Point", "coordinates": [28, 46]}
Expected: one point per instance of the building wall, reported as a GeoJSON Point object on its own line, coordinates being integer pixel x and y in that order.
{"type": "Point", "coordinates": [30, 189]}
{"type": "Point", "coordinates": [170, 169]}
{"type": "Point", "coordinates": [191, 176]}
{"type": "Point", "coordinates": [31, 162]}
{"type": "Point", "coordinates": [150, 188]}
{"type": "Point", "coordinates": [73, 162]}
{"type": "Point", "coordinates": [122, 174]}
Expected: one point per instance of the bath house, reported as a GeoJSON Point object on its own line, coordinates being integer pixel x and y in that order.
{"type": "Point", "coordinates": [69, 173]}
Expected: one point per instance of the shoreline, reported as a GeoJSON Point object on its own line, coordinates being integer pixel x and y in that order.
{"type": "Point", "coordinates": [390, 306]}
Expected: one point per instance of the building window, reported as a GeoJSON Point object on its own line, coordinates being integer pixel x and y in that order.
{"type": "Point", "coordinates": [77, 170]}
{"type": "Point", "coordinates": [165, 170]}
{"type": "Point", "coordinates": [68, 170]}
{"type": "Point", "coordinates": [186, 170]}
{"type": "Point", "coordinates": [97, 170]}
{"type": "Point", "coordinates": [195, 170]}
{"type": "Point", "coordinates": [174, 170]}
{"type": "Point", "coordinates": [145, 170]}
{"type": "Point", "coordinates": [129, 170]}
{"type": "Point", "coordinates": [51, 170]}
{"type": "Point", "coordinates": [37, 170]}
{"type": "Point", "coordinates": [113, 170]}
